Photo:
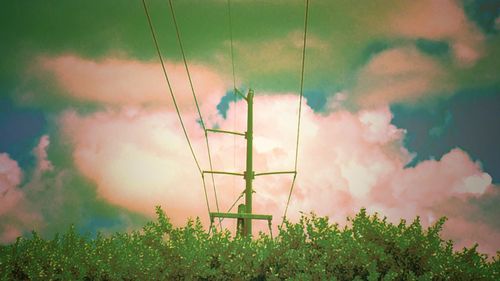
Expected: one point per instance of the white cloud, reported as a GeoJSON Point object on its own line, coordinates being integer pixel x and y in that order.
{"type": "Point", "coordinates": [138, 157]}
{"type": "Point", "coordinates": [40, 151]}
{"type": "Point", "coordinates": [441, 20]}
{"type": "Point", "coordinates": [16, 213]}
{"type": "Point", "coordinates": [10, 178]}
{"type": "Point", "coordinates": [346, 161]}
{"type": "Point", "coordinates": [399, 75]}
{"type": "Point", "coordinates": [126, 82]}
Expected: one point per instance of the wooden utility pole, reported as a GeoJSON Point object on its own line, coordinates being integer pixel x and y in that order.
{"type": "Point", "coordinates": [245, 216]}
{"type": "Point", "coordinates": [249, 173]}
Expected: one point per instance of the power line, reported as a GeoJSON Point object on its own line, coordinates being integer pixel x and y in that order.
{"type": "Point", "coordinates": [231, 39]}
{"type": "Point", "coordinates": [234, 90]}
{"type": "Point", "coordinates": [195, 101]}
{"type": "Point", "coordinates": [173, 98]}
{"type": "Point", "coordinates": [300, 107]}
{"type": "Point", "coordinates": [234, 85]}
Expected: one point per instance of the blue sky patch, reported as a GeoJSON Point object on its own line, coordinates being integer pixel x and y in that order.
{"type": "Point", "coordinates": [469, 120]}
{"type": "Point", "coordinates": [223, 105]}
{"type": "Point", "coordinates": [433, 47]}
{"type": "Point", "coordinates": [20, 129]}
{"type": "Point", "coordinates": [316, 100]}
{"type": "Point", "coordinates": [483, 12]}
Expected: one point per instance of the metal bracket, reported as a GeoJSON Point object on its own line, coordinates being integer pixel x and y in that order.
{"type": "Point", "coordinates": [252, 175]}
{"type": "Point", "coordinates": [276, 173]}
{"type": "Point", "coordinates": [240, 94]}
{"type": "Point", "coordinates": [223, 173]}
{"type": "Point", "coordinates": [225, 132]}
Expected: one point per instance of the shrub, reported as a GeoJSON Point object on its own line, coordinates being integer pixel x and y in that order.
{"type": "Point", "coordinates": [370, 248]}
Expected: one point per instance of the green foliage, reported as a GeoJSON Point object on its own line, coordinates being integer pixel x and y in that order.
{"type": "Point", "coordinates": [312, 249]}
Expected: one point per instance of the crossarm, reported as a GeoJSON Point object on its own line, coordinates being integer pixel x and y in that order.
{"type": "Point", "coordinates": [240, 216]}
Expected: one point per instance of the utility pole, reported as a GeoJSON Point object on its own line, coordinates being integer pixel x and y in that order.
{"type": "Point", "coordinates": [245, 216]}
{"type": "Point", "coordinates": [249, 173]}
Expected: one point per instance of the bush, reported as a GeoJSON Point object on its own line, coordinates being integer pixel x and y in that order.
{"type": "Point", "coordinates": [312, 249]}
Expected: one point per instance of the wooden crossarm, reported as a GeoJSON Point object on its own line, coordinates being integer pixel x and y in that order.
{"type": "Point", "coordinates": [240, 216]}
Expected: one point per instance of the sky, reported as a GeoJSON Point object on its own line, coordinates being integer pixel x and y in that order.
{"type": "Point", "coordinates": [401, 112]}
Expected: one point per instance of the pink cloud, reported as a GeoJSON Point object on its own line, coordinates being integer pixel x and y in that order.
{"type": "Point", "coordinates": [399, 75]}
{"type": "Point", "coordinates": [404, 74]}
{"type": "Point", "coordinates": [467, 224]}
{"type": "Point", "coordinates": [40, 151]}
{"type": "Point", "coordinates": [10, 178]}
{"type": "Point", "coordinates": [10, 173]}
{"type": "Point", "coordinates": [139, 159]}
{"type": "Point", "coordinates": [419, 189]}
{"type": "Point", "coordinates": [441, 20]}
{"type": "Point", "coordinates": [116, 81]}
{"type": "Point", "coordinates": [9, 233]}
{"type": "Point", "coordinates": [15, 213]}
{"type": "Point", "coordinates": [431, 19]}
{"type": "Point", "coordinates": [466, 233]}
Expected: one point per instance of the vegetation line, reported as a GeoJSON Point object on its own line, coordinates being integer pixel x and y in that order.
{"type": "Point", "coordinates": [368, 248]}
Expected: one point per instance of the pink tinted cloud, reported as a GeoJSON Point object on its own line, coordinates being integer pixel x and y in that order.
{"type": "Point", "coordinates": [404, 74]}
{"type": "Point", "coordinates": [116, 81]}
{"type": "Point", "coordinates": [40, 151]}
{"type": "Point", "coordinates": [16, 211]}
{"type": "Point", "coordinates": [10, 173]}
{"type": "Point", "coordinates": [10, 178]}
{"type": "Point", "coordinates": [399, 75]}
{"type": "Point", "coordinates": [421, 188]}
{"type": "Point", "coordinates": [441, 20]}
{"type": "Point", "coordinates": [138, 158]}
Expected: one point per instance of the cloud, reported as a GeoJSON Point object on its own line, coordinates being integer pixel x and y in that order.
{"type": "Point", "coordinates": [473, 220]}
{"type": "Point", "coordinates": [18, 211]}
{"type": "Point", "coordinates": [10, 173]}
{"type": "Point", "coordinates": [419, 189]}
{"type": "Point", "coordinates": [115, 81]}
{"type": "Point", "coordinates": [10, 178]}
{"type": "Point", "coordinates": [139, 159]}
{"type": "Point", "coordinates": [50, 199]}
{"type": "Point", "coordinates": [399, 75]}
{"type": "Point", "coordinates": [40, 151]}
{"type": "Point", "coordinates": [441, 20]}
{"type": "Point", "coordinates": [15, 215]}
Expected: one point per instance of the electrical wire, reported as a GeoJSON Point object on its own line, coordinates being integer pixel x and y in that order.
{"type": "Point", "coordinates": [300, 108]}
{"type": "Point", "coordinates": [179, 40]}
{"type": "Point", "coordinates": [234, 87]}
{"type": "Point", "coordinates": [231, 39]}
{"type": "Point", "coordinates": [234, 91]}
{"type": "Point", "coordinates": [155, 40]}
